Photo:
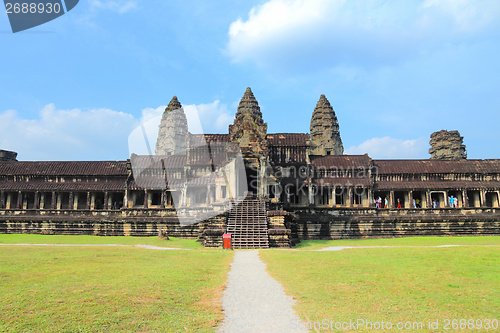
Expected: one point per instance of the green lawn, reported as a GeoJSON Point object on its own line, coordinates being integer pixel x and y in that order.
{"type": "Point", "coordinates": [404, 241]}
{"type": "Point", "coordinates": [122, 240]}
{"type": "Point", "coordinates": [109, 289]}
{"type": "Point", "coordinates": [392, 284]}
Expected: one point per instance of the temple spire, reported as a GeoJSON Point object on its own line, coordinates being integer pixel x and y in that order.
{"type": "Point", "coordinates": [173, 105]}
{"type": "Point", "coordinates": [324, 130]}
{"type": "Point", "coordinates": [249, 129]}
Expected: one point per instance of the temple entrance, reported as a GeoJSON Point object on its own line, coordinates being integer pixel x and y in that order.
{"type": "Point", "coordinates": [382, 195]}
{"type": "Point", "coordinates": [474, 199]}
{"type": "Point", "coordinates": [403, 199]}
{"type": "Point", "coordinates": [438, 199]}
{"type": "Point", "coordinates": [492, 199]}
{"type": "Point", "coordinates": [252, 179]}
{"type": "Point", "coordinates": [420, 197]}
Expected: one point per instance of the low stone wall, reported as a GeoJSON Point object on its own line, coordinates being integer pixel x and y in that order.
{"type": "Point", "coordinates": [128, 222]}
{"type": "Point", "coordinates": [324, 223]}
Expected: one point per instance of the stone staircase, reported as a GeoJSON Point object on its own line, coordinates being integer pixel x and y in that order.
{"type": "Point", "coordinates": [247, 224]}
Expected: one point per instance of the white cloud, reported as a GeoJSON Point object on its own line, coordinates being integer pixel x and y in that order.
{"type": "Point", "coordinates": [97, 134]}
{"type": "Point", "coordinates": [66, 134]}
{"type": "Point", "coordinates": [325, 33]}
{"type": "Point", "coordinates": [119, 6]}
{"type": "Point", "coordinates": [390, 148]}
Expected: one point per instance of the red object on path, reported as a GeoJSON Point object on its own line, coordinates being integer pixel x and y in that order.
{"type": "Point", "coordinates": [226, 241]}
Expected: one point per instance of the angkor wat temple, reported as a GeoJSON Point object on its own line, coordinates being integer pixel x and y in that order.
{"type": "Point", "coordinates": [295, 186]}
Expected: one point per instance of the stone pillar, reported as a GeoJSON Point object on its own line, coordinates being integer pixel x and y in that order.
{"type": "Point", "coordinates": [483, 198]}
{"type": "Point", "coordinates": [310, 193]}
{"type": "Point", "coordinates": [59, 201]}
{"type": "Point", "coordinates": [125, 199]}
{"type": "Point", "coordinates": [35, 204]}
{"type": "Point", "coordinates": [88, 201]}
{"type": "Point", "coordinates": [428, 200]}
{"type": "Point", "coordinates": [53, 201]}
{"type": "Point", "coordinates": [8, 204]}
{"type": "Point", "coordinates": [2, 200]}
{"type": "Point", "coordinates": [410, 199]}
{"type": "Point", "coordinates": [42, 201]}
{"type": "Point", "coordinates": [92, 201]}
{"type": "Point", "coordinates": [162, 199]}
{"type": "Point", "coordinates": [71, 203]}
{"type": "Point", "coordinates": [207, 199]}
{"type": "Point", "coordinates": [392, 200]}
{"type": "Point", "coordinates": [447, 199]}
{"type": "Point", "coordinates": [106, 199]}
{"type": "Point", "coordinates": [146, 199]}
{"type": "Point", "coordinates": [370, 197]}
{"type": "Point", "coordinates": [19, 199]}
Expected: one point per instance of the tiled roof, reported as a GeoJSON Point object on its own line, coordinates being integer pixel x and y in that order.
{"type": "Point", "coordinates": [114, 185]}
{"type": "Point", "coordinates": [346, 182]}
{"type": "Point", "coordinates": [287, 139]}
{"type": "Point", "coordinates": [436, 166]}
{"type": "Point", "coordinates": [65, 168]}
{"type": "Point", "coordinates": [435, 185]}
{"type": "Point", "coordinates": [342, 161]}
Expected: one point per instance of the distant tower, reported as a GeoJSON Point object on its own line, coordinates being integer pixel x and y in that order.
{"type": "Point", "coordinates": [173, 130]}
{"type": "Point", "coordinates": [447, 145]}
{"type": "Point", "coordinates": [324, 131]}
{"type": "Point", "coordinates": [249, 130]}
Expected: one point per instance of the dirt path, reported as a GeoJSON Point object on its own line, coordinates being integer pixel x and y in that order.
{"type": "Point", "coordinates": [253, 301]}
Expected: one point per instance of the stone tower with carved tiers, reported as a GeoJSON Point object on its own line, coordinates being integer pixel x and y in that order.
{"type": "Point", "coordinates": [249, 129]}
{"type": "Point", "coordinates": [172, 131]}
{"type": "Point", "coordinates": [324, 134]}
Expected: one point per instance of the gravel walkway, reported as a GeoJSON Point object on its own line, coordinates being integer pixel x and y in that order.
{"type": "Point", "coordinates": [253, 301]}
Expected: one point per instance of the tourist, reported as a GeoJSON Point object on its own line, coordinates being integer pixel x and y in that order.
{"type": "Point", "coordinates": [455, 202]}
{"type": "Point", "coordinates": [386, 203]}
{"type": "Point", "coordinates": [379, 201]}
{"type": "Point", "coordinates": [414, 204]}
{"type": "Point", "coordinates": [418, 203]}
{"type": "Point", "coordinates": [451, 201]}
{"type": "Point", "coordinates": [399, 203]}
{"type": "Point", "coordinates": [434, 203]}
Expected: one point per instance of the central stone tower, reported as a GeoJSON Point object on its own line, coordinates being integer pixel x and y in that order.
{"type": "Point", "coordinates": [249, 129]}
{"type": "Point", "coordinates": [324, 131]}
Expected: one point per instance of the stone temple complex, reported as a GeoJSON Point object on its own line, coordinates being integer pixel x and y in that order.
{"type": "Point", "coordinates": [296, 186]}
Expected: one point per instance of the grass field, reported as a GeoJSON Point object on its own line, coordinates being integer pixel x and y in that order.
{"type": "Point", "coordinates": [392, 284]}
{"type": "Point", "coordinates": [64, 239]}
{"type": "Point", "coordinates": [109, 289]}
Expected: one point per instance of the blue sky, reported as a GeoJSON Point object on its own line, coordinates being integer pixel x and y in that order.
{"type": "Point", "coordinates": [394, 71]}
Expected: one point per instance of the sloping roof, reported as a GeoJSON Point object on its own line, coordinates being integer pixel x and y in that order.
{"type": "Point", "coordinates": [342, 161]}
{"type": "Point", "coordinates": [436, 166]}
{"type": "Point", "coordinates": [287, 139]}
{"type": "Point", "coordinates": [64, 168]}
{"type": "Point", "coordinates": [115, 185]}
{"type": "Point", "coordinates": [343, 182]}
{"type": "Point", "coordinates": [436, 185]}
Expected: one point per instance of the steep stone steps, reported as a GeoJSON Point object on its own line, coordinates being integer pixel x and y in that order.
{"type": "Point", "coordinates": [247, 224]}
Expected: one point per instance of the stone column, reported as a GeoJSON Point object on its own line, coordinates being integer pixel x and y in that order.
{"type": "Point", "coordinates": [146, 199]}
{"type": "Point", "coordinates": [392, 200]}
{"type": "Point", "coordinates": [447, 199]}
{"type": "Point", "coordinates": [310, 193]}
{"type": "Point", "coordinates": [208, 196]}
{"type": "Point", "coordinates": [2, 199]}
{"type": "Point", "coordinates": [19, 199]}
{"type": "Point", "coordinates": [53, 201]}
{"type": "Point", "coordinates": [125, 199]}
{"type": "Point", "coordinates": [428, 203]}
{"type": "Point", "coordinates": [35, 204]}
{"type": "Point", "coordinates": [410, 199]}
{"type": "Point", "coordinates": [92, 201]}
{"type": "Point", "coordinates": [106, 203]}
{"type": "Point", "coordinates": [483, 198]}
{"type": "Point", "coordinates": [162, 199]}
{"type": "Point", "coordinates": [71, 203]}
{"type": "Point", "coordinates": [370, 197]}
{"type": "Point", "coordinates": [88, 201]}
{"type": "Point", "coordinates": [464, 199]}
{"type": "Point", "coordinates": [8, 204]}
